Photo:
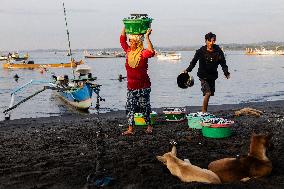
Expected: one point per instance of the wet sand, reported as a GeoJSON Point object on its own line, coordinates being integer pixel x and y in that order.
{"type": "Point", "coordinates": [60, 152]}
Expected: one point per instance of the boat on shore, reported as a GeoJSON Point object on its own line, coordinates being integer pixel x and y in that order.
{"type": "Point", "coordinates": [104, 54]}
{"type": "Point", "coordinates": [32, 65]}
{"type": "Point", "coordinates": [168, 56]}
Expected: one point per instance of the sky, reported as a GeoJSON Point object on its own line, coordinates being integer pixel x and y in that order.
{"type": "Point", "coordinates": [94, 24]}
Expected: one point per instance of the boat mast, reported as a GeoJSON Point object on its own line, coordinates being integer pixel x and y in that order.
{"type": "Point", "coordinates": [69, 45]}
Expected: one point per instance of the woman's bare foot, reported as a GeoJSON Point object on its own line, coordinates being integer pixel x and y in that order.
{"type": "Point", "coordinates": [149, 130]}
{"type": "Point", "coordinates": [129, 131]}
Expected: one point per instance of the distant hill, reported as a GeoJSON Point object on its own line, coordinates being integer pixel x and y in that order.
{"type": "Point", "coordinates": [268, 45]}
{"type": "Point", "coordinates": [230, 46]}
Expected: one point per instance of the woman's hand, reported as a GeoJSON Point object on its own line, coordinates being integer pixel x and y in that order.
{"type": "Point", "coordinates": [150, 46]}
{"type": "Point", "coordinates": [148, 32]}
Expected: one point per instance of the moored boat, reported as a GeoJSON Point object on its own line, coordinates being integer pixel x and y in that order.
{"type": "Point", "coordinates": [3, 58]}
{"type": "Point", "coordinates": [169, 56]}
{"type": "Point", "coordinates": [104, 54]}
{"type": "Point", "coordinates": [17, 57]}
{"type": "Point", "coordinates": [263, 51]}
{"type": "Point", "coordinates": [32, 65]}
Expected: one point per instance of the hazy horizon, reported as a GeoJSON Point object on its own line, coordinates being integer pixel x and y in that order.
{"type": "Point", "coordinates": [39, 24]}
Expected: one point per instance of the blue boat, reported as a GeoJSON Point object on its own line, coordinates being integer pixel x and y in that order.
{"type": "Point", "coordinates": [80, 98]}
{"type": "Point", "coordinates": [78, 92]}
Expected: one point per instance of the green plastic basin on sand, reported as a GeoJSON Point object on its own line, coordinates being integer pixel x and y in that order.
{"type": "Point", "coordinates": [140, 121]}
{"type": "Point", "coordinates": [216, 132]}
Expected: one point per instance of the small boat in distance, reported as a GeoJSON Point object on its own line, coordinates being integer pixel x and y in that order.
{"type": "Point", "coordinates": [263, 51]}
{"type": "Point", "coordinates": [3, 58]}
{"type": "Point", "coordinates": [104, 54]}
{"type": "Point", "coordinates": [168, 56]}
{"type": "Point", "coordinates": [32, 65]}
{"type": "Point", "coordinates": [14, 56]}
{"type": "Point", "coordinates": [17, 57]}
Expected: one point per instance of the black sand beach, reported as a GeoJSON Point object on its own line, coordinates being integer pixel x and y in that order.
{"type": "Point", "coordinates": [60, 152]}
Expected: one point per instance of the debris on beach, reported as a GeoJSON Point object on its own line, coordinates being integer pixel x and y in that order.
{"type": "Point", "coordinates": [248, 111]}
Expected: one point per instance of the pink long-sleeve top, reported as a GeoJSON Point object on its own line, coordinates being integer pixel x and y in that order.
{"type": "Point", "coordinates": [137, 78]}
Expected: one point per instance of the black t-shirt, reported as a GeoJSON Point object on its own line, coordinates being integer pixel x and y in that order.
{"type": "Point", "coordinates": [209, 62]}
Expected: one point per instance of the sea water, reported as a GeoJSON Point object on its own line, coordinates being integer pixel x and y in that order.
{"type": "Point", "coordinates": [253, 79]}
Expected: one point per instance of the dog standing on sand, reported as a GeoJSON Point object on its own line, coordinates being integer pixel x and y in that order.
{"type": "Point", "coordinates": [185, 171]}
{"type": "Point", "coordinates": [255, 164]}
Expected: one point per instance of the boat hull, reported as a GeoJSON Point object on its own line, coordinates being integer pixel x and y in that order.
{"type": "Point", "coordinates": [101, 56]}
{"type": "Point", "coordinates": [169, 56]}
{"type": "Point", "coordinates": [80, 98]}
{"type": "Point", "coordinates": [33, 66]}
{"type": "Point", "coordinates": [3, 58]}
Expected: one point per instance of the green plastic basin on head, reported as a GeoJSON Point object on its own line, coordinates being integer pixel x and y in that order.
{"type": "Point", "coordinates": [137, 26]}
{"type": "Point", "coordinates": [216, 132]}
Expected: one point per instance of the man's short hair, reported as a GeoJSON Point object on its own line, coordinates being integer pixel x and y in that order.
{"type": "Point", "coordinates": [209, 36]}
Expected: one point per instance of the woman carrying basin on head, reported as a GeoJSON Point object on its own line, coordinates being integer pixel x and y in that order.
{"type": "Point", "coordinates": [138, 81]}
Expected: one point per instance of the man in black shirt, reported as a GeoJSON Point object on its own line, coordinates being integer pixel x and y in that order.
{"type": "Point", "coordinates": [209, 57]}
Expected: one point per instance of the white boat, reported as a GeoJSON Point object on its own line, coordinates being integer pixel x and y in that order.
{"type": "Point", "coordinates": [279, 52]}
{"type": "Point", "coordinates": [3, 58]}
{"type": "Point", "coordinates": [169, 56]}
{"type": "Point", "coordinates": [263, 51]}
{"type": "Point", "coordinates": [104, 54]}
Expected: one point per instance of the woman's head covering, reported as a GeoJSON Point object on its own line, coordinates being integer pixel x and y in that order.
{"type": "Point", "coordinates": [136, 37]}
{"type": "Point", "coordinates": [134, 56]}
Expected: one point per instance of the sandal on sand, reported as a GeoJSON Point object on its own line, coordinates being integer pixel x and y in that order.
{"type": "Point", "coordinates": [127, 133]}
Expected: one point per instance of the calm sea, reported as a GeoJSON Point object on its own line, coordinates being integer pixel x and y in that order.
{"type": "Point", "coordinates": [253, 79]}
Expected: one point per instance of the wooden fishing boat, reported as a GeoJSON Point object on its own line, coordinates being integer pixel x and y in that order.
{"type": "Point", "coordinates": [31, 65]}
{"type": "Point", "coordinates": [80, 98]}
{"type": "Point", "coordinates": [3, 58]}
{"type": "Point", "coordinates": [17, 57]}
{"type": "Point", "coordinates": [77, 92]}
{"type": "Point", "coordinates": [168, 56]}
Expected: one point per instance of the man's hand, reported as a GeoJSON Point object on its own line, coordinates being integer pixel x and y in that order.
{"type": "Point", "coordinates": [228, 76]}
{"type": "Point", "coordinates": [185, 71]}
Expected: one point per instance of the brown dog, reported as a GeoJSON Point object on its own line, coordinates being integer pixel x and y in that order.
{"type": "Point", "coordinates": [248, 111]}
{"type": "Point", "coordinates": [254, 165]}
{"type": "Point", "coordinates": [185, 171]}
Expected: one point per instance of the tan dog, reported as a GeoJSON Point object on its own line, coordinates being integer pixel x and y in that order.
{"type": "Point", "coordinates": [254, 165]}
{"type": "Point", "coordinates": [248, 111]}
{"type": "Point", "coordinates": [185, 171]}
